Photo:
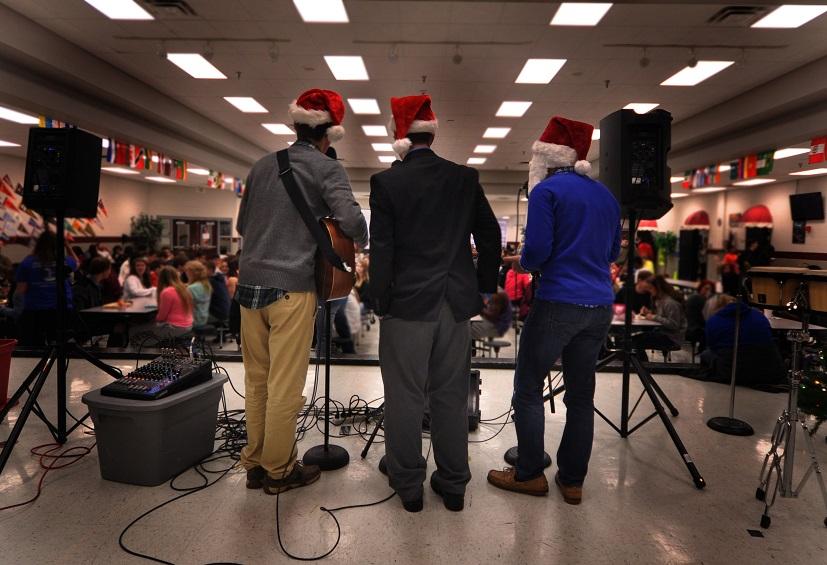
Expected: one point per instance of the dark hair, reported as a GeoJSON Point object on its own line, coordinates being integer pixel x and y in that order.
{"type": "Point", "coordinates": [664, 288]}
{"type": "Point", "coordinates": [210, 267]}
{"type": "Point", "coordinates": [98, 265]}
{"type": "Point", "coordinates": [421, 138]}
{"type": "Point", "coordinates": [232, 267]}
{"type": "Point", "coordinates": [145, 280]}
{"type": "Point", "coordinates": [312, 134]}
{"type": "Point", "coordinates": [180, 260]}
{"type": "Point", "coordinates": [44, 247]}
{"type": "Point", "coordinates": [704, 283]}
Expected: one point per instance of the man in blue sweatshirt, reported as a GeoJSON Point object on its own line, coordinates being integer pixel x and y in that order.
{"type": "Point", "coordinates": [572, 235]}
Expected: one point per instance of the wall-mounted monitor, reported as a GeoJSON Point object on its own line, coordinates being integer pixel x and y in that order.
{"type": "Point", "coordinates": [807, 206]}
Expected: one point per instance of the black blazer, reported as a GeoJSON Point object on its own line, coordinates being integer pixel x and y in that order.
{"type": "Point", "coordinates": [423, 213]}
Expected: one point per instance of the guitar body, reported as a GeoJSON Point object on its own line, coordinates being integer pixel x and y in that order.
{"type": "Point", "coordinates": [333, 283]}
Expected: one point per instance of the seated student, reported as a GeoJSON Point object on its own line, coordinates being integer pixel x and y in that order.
{"type": "Point", "coordinates": [496, 317]}
{"type": "Point", "coordinates": [695, 319]}
{"type": "Point", "coordinates": [174, 317]}
{"type": "Point", "coordinates": [220, 297]}
{"type": "Point", "coordinates": [88, 287]}
{"type": "Point", "coordinates": [641, 298]}
{"type": "Point", "coordinates": [516, 284]}
{"type": "Point", "coordinates": [199, 286]}
{"type": "Point", "coordinates": [759, 360]}
{"type": "Point", "coordinates": [137, 283]}
{"type": "Point", "coordinates": [668, 311]}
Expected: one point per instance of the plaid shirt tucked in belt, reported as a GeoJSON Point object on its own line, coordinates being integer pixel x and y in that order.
{"type": "Point", "coordinates": [255, 297]}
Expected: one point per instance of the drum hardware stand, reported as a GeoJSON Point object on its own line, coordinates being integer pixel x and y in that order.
{"type": "Point", "coordinates": [58, 352]}
{"type": "Point", "coordinates": [730, 424]}
{"type": "Point", "coordinates": [632, 361]}
{"type": "Point", "coordinates": [783, 436]}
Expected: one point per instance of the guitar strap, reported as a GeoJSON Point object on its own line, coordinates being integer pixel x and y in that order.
{"type": "Point", "coordinates": [296, 196]}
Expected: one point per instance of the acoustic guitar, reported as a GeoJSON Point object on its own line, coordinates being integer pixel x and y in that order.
{"type": "Point", "coordinates": [333, 283]}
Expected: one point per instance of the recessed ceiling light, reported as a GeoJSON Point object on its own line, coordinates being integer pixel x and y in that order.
{"type": "Point", "coordinates": [790, 152]}
{"type": "Point", "coordinates": [246, 104]}
{"type": "Point", "coordinates": [595, 134]}
{"type": "Point", "coordinates": [673, 180]}
{"type": "Point", "coordinates": [476, 160]}
{"type": "Point", "coordinates": [375, 131]}
{"type": "Point", "coordinates": [347, 67]}
{"type": "Point", "coordinates": [513, 109]}
{"type": "Point", "coordinates": [724, 168]}
{"type": "Point", "coordinates": [120, 9]}
{"type": "Point", "coordinates": [120, 171]}
{"type": "Point", "coordinates": [155, 158]}
{"type": "Point", "coordinates": [364, 105]}
{"type": "Point", "coordinates": [160, 179]}
{"type": "Point", "coordinates": [382, 146]}
{"type": "Point", "coordinates": [641, 107]}
{"type": "Point", "coordinates": [753, 182]}
{"type": "Point", "coordinates": [484, 148]}
{"type": "Point", "coordinates": [197, 171]}
{"type": "Point", "coordinates": [580, 13]}
{"type": "Point", "coordinates": [8, 144]}
{"type": "Point", "coordinates": [195, 65]}
{"type": "Point", "coordinates": [19, 117]}
{"type": "Point", "coordinates": [496, 133]}
{"type": "Point", "coordinates": [228, 180]}
{"type": "Point", "coordinates": [708, 189]}
{"type": "Point", "coordinates": [539, 71]}
{"type": "Point", "coordinates": [322, 11]}
{"type": "Point", "coordinates": [690, 76]}
{"type": "Point", "coordinates": [278, 129]}
{"type": "Point", "coordinates": [679, 195]}
{"type": "Point", "coordinates": [105, 143]}
{"type": "Point", "coordinates": [387, 158]}
{"type": "Point", "coordinates": [790, 16]}
{"type": "Point", "coordinates": [821, 171]}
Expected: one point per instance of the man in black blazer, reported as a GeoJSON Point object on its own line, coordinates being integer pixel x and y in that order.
{"type": "Point", "coordinates": [426, 287]}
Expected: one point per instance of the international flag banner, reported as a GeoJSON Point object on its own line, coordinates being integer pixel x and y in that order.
{"type": "Point", "coordinates": [7, 187]}
{"type": "Point", "coordinates": [9, 203]}
{"type": "Point", "coordinates": [98, 222]}
{"type": "Point", "coordinates": [34, 223]}
{"type": "Point", "coordinates": [68, 227]}
{"type": "Point", "coordinates": [110, 151]}
{"type": "Point", "coordinates": [180, 169]}
{"type": "Point", "coordinates": [765, 162]}
{"type": "Point", "coordinates": [818, 150]}
{"type": "Point", "coordinates": [77, 225]}
{"type": "Point", "coordinates": [102, 208]}
{"type": "Point", "coordinates": [88, 230]}
{"type": "Point", "coordinates": [687, 180]}
{"type": "Point", "coordinates": [751, 166]}
{"type": "Point", "coordinates": [21, 229]}
{"type": "Point", "coordinates": [238, 187]}
{"type": "Point", "coordinates": [733, 169]}
{"type": "Point", "coordinates": [121, 153]}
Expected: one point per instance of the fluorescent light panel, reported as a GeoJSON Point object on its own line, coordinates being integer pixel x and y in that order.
{"type": "Point", "coordinates": [382, 146]}
{"type": "Point", "coordinates": [120, 171]}
{"type": "Point", "coordinates": [708, 189]}
{"type": "Point", "coordinates": [278, 129]}
{"type": "Point", "coordinates": [513, 109]}
{"type": "Point", "coordinates": [580, 13]}
{"type": "Point", "coordinates": [790, 152]}
{"type": "Point", "coordinates": [364, 105]}
{"type": "Point", "coordinates": [641, 107]}
{"type": "Point", "coordinates": [347, 67]}
{"type": "Point", "coordinates": [476, 160]}
{"type": "Point", "coordinates": [387, 158]}
{"type": "Point", "coordinates": [690, 76]}
{"type": "Point", "coordinates": [246, 104]}
{"type": "Point", "coordinates": [673, 180]}
{"type": "Point", "coordinates": [539, 71]}
{"type": "Point", "coordinates": [120, 9]}
{"type": "Point", "coordinates": [753, 182]}
{"type": "Point", "coordinates": [18, 117]}
{"type": "Point", "coordinates": [195, 65]}
{"type": "Point", "coordinates": [322, 11]}
{"type": "Point", "coordinates": [485, 148]}
{"type": "Point", "coordinates": [724, 168]}
{"type": "Point", "coordinates": [819, 171]}
{"type": "Point", "coordinates": [496, 133]}
{"type": "Point", "coordinates": [679, 195]}
{"type": "Point", "coordinates": [375, 131]}
{"type": "Point", "coordinates": [596, 134]}
{"type": "Point", "coordinates": [8, 144]}
{"type": "Point", "coordinates": [790, 16]}
{"type": "Point", "coordinates": [160, 179]}
{"type": "Point", "coordinates": [197, 171]}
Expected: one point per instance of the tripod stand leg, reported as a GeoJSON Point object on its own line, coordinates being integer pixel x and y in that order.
{"type": "Point", "coordinates": [106, 368]}
{"type": "Point", "coordinates": [373, 435]}
{"type": "Point", "coordinates": [27, 409]}
{"type": "Point", "coordinates": [15, 398]}
{"type": "Point", "coordinates": [814, 467]}
{"type": "Point", "coordinates": [663, 397]}
{"type": "Point", "coordinates": [646, 381]}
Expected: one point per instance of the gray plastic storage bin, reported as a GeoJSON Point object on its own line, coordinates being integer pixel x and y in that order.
{"type": "Point", "coordinates": [147, 442]}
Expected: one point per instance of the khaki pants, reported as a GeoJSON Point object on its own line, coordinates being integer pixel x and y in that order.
{"type": "Point", "coordinates": [275, 343]}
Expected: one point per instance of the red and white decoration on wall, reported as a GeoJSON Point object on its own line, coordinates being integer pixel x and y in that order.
{"type": "Point", "coordinates": [759, 216]}
{"type": "Point", "coordinates": [698, 220]}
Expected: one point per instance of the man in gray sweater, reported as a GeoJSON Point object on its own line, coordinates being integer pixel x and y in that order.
{"type": "Point", "coordinates": [276, 287]}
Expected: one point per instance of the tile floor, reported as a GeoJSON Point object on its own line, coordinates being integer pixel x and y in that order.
{"type": "Point", "coordinates": [640, 505]}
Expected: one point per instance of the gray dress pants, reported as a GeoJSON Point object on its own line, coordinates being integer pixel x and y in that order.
{"type": "Point", "coordinates": [414, 357]}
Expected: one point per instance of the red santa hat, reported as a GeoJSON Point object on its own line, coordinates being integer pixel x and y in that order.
{"type": "Point", "coordinates": [411, 114]}
{"type": "Point", "coordinates": [316, 107]}
{"type": "Point", "coordinates": [564, 143]}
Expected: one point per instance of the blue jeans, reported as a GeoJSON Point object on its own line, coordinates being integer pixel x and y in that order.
{"type": "Point", "coordinates": [577, 334]}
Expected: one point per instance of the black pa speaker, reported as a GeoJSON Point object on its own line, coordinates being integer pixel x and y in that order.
{"type": "Point", "coordinates": [633, 153]}
{"type": "Point", "coordinates": [63, 168]}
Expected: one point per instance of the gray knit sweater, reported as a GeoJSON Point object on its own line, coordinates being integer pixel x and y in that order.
{"type": "Point", "coordinates": [278, 250]}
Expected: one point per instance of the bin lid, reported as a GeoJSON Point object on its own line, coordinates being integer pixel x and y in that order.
{"type": "Point", "coordinates": [94, 399]}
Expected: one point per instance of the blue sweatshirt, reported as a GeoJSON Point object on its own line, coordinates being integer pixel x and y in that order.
{"type": "Point", "coordinates": [720, 328]}
{"type": "Point", "coordinates": [572, 235]}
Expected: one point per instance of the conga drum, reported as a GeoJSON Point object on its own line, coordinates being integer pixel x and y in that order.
{"type": "Point", "coordinates": [774, 287]}
{"type": "Point", "coordinates": [817, 281]}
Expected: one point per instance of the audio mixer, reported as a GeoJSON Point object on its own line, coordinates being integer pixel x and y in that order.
{"type": "Point", "coordinates": [161, 377]}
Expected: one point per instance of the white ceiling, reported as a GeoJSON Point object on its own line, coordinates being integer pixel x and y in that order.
{"type": "Point", "coordinates": [465, 96]}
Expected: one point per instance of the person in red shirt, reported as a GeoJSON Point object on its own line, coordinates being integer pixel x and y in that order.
{"type": "Point", "coordinates": [516, 285]}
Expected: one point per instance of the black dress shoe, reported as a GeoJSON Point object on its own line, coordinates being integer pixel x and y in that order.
{"type": "Point", "coordinates": [453, 502]}
{"type": "Point", "coordinates": [412, 505]}
{"type": "Point", "coordinates": [255, 477]}
{"type": "Point", "coordinates": [383, 466]}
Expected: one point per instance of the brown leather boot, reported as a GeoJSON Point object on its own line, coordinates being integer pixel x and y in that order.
{"type": "Point", "coordinates": [255, 477]}
{"type": "Point", "coordinates": [302, 475]}
{"type": "Point", "coordinates": [507, 480]}
{"type": "Point", "coordinates": [571, 494]}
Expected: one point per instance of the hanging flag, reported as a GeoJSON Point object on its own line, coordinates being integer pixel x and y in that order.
{"type": "Point", "coordinates": [180, 169]}
{"type": "Point", "coordinates": [818, 150]}
{"type": "Point", "coordinates": [68, 227]}
{"type": "Point", "coordinates": [19, 189]}
{"type": "Point", "coordinates": [9, 203]}
{"type": "Point", "coordinates": [238, 187]}
{"type": "Point", "coordinates": [110, 151]}
{"type": "Point", "coordinates": [98, 222]}
{"type": "Point", "coordinates": [7, 187]}
{"type": "Point", "coordinates": [765, 162]}
{"type": "Point", "coordinates": [102, 208]}
{"type": "Point", "coordinates": [21, 229]}
{"type": "Point", "coordinates": [89, 231]}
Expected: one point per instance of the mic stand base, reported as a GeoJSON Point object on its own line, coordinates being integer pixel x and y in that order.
{"type": "Point", "coordinates": [730, 426]}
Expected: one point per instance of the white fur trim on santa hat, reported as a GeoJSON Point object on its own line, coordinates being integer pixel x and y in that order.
{"type": "Point", "coordinates": [555, 155]}
{"type": "Point", "coordinates": [311, 118]}
{"type": "Point", "coordinates": [582, 168]}
{"type": "Point", "coordinates": [335, 133]}
{"type": "Point", "coordinates": [402, 146]}
{"type": "Point", "coordinates": [423, 126]}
